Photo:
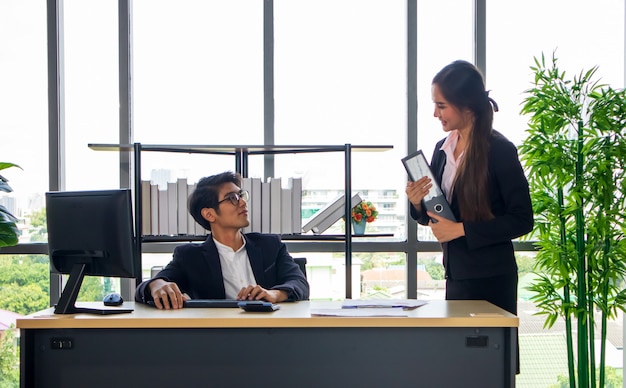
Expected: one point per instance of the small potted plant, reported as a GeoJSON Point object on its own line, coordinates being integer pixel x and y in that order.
{"type": "Point", "coordinates": [362, 214]}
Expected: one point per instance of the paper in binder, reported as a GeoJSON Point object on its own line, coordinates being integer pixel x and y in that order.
{"type": "Point", "coordinates": [296, 204]}
{"type": "Point", "coordinates": [163, 215]}
{"type": "Point", "coordinates": [181, 208]}
{"type": "Point", "coordinates": [154, 209]}
{"type": "Point", "coordinates": [145, 208]}
{"type": "Point", "coordinates": [266, 204]}
{"type": "Point", "coordinates": [191, 223]}
{"type": "Point", "coordinates": [172, 208]}
{"type": "Point", "coordinates": [275, 205]}
{"type": "Point", "coordinates": [255, 205]}
{"type": "Point", "coordinates": [435, 201]}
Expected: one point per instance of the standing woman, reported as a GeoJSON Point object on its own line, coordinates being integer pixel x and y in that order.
{"type": "Point", "coordinates": [479, 171]}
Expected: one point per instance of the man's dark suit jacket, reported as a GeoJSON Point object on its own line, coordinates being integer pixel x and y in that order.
{"type": "Point", "coordinates": [197, 271]}
{"type": "Point", "coordinates": [486, 249]}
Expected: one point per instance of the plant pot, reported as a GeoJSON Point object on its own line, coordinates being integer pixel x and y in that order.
{"type": "Point", "coordinates": [358, 228]}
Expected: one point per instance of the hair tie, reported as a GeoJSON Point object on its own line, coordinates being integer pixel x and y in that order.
{"type": "Point", "coordinates": [492, 101]}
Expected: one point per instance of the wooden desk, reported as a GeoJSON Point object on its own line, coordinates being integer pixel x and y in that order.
{"type": "Point", "coordinates": [441, 344]}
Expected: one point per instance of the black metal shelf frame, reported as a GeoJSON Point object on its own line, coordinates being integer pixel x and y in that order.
{"type": "Point", "coordinates": [241, 154]}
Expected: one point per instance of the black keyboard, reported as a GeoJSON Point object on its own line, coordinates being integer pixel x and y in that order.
{"type": "Point", "coordinates": [211, 303]}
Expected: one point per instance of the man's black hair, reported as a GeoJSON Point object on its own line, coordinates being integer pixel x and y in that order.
{"type": "Point", "coordinates": [206, 195]}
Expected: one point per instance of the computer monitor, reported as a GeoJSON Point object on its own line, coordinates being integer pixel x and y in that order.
{"type": "Point", "coordinates": [90, 233]}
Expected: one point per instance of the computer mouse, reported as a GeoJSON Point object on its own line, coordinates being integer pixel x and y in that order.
{"type": "Point", "coordinates": [113, 299]}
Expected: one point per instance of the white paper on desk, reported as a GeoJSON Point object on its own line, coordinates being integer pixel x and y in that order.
{"type": "Point", "coordinates": [382, 303]}
{"type": "Point", "coordinates": [360, 312]}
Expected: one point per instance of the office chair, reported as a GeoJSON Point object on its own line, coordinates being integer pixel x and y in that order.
{"type": "Point", "coordinates": [155, 270]}
{"type": "Point", "coordinates": [301, 261]}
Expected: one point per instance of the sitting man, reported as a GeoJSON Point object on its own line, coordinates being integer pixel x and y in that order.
{"type": "Point", "coordinates": [229, 264]}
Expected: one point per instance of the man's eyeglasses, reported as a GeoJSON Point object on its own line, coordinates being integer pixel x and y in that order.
{"type": "Point", "coordinates": [235, 197]}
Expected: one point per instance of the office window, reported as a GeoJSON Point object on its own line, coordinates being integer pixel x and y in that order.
{"type": "Point", "coordinates": [340, 77]}
{"type": "Point", "coordinates": [375, 275]}
{"type": "Point", "coordinates": [442, 37]}
{"type": "Point", "coordinates": [342, 83]}
{"type": "Point", "coordinates": [24, 108]}
{"type": "Point", "coordinates": [91, 93]}
{"type": "Point", "coordinates": [91, 107]}
{"type": "Point", "coordinates": [198, 80]}
{"type": "Point", "coordinates": [585, 34]}
{"type": "Point", "coordinates": [382, 274]}
{"type": "Point", "coordinates": [153, 262]}
{"type": "Point", "coordinates": [431, 282]}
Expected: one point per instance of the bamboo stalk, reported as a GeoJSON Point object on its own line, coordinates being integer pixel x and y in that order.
{"type": "Point", "coordinates": [604, 291]}
{"type": "Point", "coordinates": [581, 311]}
{"type": "Point", "coordinates": [566, 292]}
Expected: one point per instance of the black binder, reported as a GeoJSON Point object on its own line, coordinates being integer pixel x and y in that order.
{"type": "Point", "coordinates": [417, 166]}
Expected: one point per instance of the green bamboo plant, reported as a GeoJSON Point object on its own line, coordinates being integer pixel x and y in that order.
{"type": "Point", "coordinates": [9, 232]}
{"type": "Point", "coordinates": [574, 156]}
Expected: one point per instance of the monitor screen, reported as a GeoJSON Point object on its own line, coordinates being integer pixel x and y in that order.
{"type": "Point", "coordinates": [89, 233]}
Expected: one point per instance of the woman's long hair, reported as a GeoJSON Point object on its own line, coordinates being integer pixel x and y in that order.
{"type": "Point", "coordinates": [463, 86]}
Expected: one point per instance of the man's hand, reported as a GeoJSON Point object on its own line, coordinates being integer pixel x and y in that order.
{"type": "Point", "coordinates": [444, 229]}
{"type": "Point", "coordinates": [166, 295]}
{"type": "Point", "coordinates": [260, 293]}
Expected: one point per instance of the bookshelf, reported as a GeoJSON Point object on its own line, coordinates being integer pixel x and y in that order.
{"type": "Point", "coordinates": [240, 153]}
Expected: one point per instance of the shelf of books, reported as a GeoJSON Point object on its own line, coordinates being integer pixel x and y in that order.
{"type": "Point", "coordinates": [275, 202]}
{"type": "Point", "coordinates": [274, 208]}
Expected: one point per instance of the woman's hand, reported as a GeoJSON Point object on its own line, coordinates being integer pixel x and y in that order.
{"type": "Point", "coordinates": [416, 191]}
{"type": "Point", "coordinates": [444, 229]}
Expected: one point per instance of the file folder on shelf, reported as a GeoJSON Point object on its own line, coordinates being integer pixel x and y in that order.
{"type": "Point", "coordinates": [329, 214]}
{"type": "Point", "coordinates": [435, 201]}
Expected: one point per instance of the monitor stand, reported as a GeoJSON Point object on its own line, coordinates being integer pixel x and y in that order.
{"type": "Point", "coordinates": [66, 304]}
